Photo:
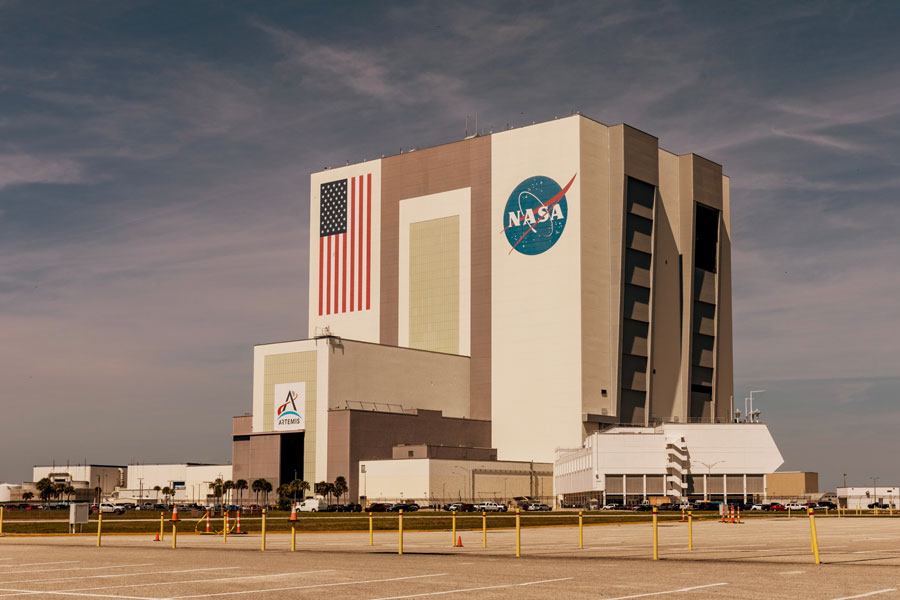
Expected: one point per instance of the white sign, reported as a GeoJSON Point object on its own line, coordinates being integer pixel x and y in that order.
{"type": "Point", "coordinates": [290, 406]}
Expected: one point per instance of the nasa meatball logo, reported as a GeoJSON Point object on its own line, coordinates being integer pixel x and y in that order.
{"type": "Point", "coordinates": [535, 215]}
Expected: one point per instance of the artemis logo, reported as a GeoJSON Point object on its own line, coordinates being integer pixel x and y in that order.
{"type": "Point", "coordinates": [289, 410]}
{"type": "Point", "coordinates": [535, 215]}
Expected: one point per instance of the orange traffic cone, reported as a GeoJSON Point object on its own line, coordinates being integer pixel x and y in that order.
{"type": "Point", "coordinates": [239, 522]}
{"type": "Point", "coordinates": [207, 522]}
{"type": "Point", "coordinates": [157, 537]}
{"type": "Point", "coordinates": [293, 513]}
{"type": "Point", "coordinates": [175, 513]}
{"type": "Point", "coordinates": [459, 542]}
{"type": "Point", "coordinates": [682, 515]}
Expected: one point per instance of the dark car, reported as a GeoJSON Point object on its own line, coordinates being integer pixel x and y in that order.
{"type": "Point", "coordinates": [353, 507]}
{"type": "Point", "coordinates": [411, 507]}
{"type": "Point", "coordinates": [333, 508]}
{"type": "Point", "coordinates": [826, 504]}
{"type": "Point", "coordinates": [379, 507]}
{"type": "Point", "coordinates": [466, 507]}
{"type": "Point", "coordinates": [642, 508]}
{"type": "Point", "coordinates": [878, 505]}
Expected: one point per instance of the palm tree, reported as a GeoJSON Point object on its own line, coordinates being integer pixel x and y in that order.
{"type": "Point", "coordinates": [167, 491]}
{"type": "Point", "coordinates": [157, 489]}
{"type": "Point", "coordinates": [284, 490]}
{"type": "Point", "coordinates": [340, 487]}
{"type": "Point", "coordinates": [257, 487]}
{"type": "Point", "coordinates": [304, 486]}
{"type": "Point", "coordinates": [266, 488]}
{"type": "Point", "coordinates": [240, 485]}
{"type": "Point", "coordinates": [27, 496]}
{"type": "Point", "coordinates": [58, 490]}
{"type": "Point", "coordinates": [228, 486]}
{"type": "Point", "coordinates": [69, 491]}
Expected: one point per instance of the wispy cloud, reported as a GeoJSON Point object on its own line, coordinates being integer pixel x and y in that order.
{"type": "Point", "coordinates": [24, 168]}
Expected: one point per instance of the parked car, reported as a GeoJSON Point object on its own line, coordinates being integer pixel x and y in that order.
{"type": "Point", "coordinates": [777, 507]}
{"type": "Point", "coordinates": [379, 507]}
{"type": "Point", "coordinates": [466, 507]}
{"type": "Point", "coordinates": [612, 507]}
{"type": "Point", "coordinates": [353, 507]}
{"type": "Point", "coordinates": [491, 507]}
{"type": "Point", "coordinates": [109, 507]}
{"type": "Point", "coordinates": [879, 505]}
{"type": "Point", "coordinates": [757, 507]}
{"type": "Point", "coordinates": [410, 507]}
{"type": "Point", "coordinates": [823, 504]}
{"type": "Point", "coordinates": [795, 506]}
{"type": "Point", "coordinates": [537, 507]}
{"type": "Point", "coordinates": [642, 508]}
{"type": "Point", "coordinates": [333, 508]}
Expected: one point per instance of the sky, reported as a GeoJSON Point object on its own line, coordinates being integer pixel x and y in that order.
{"type": "Point", "coordinates": [154, 192]}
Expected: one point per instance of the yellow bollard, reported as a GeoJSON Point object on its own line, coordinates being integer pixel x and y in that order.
{"type": "Point", "coordinates": [453, 537]}
{"type": "Point", "coordinates": [400, 531]}
{"type": "Point", "coordinates": [812, 533]}
{"type": "Point", "coordinates": [225, 528]}
{"type": "Point", "coordinates": [690, 530]}
{"type": "Point", "coordinates": [1, 520]}
{"type": "Point", "coordinates": [580, 530]}
{"type": "Point", "coordinates": [891, 508]}
{"type": "Point", "coordinates": [655, 535]}
{"type": "Point", "coordinates": [99, 527]}
{"type": "Point", "coordinates": [263, 538]}
{"type": "Point", "coordinates": [518, 534]}
{"type": "Point", "coordinates": [174, 535]}
{"type": "Point", "coordinates": [371, 532]}
{"type": "Point", "coordinates": [162, 532]}
{"type": "Point", "coordinates": [876, 509]}
{"type": "Point", "coordinates": [483, 529]}
{"type": "Point", "coordinates": [789, 512]}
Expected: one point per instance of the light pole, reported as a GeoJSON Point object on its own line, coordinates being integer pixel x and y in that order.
{"type": "Point", "coordinates": [874, 490]}
{"type": "Point", "coordinates": [709, 467]}
{"type": "Point", "coordinates": [465, 474]}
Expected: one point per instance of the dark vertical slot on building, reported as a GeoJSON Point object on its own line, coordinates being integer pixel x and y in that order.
{"type": "Point", "coordinates": [639, 198]}
{"type": "Point", "coordinates": [291, 457]}
{"type": "Point", "coordinates": [703, 328]}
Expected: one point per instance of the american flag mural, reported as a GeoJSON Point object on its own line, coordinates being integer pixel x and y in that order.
{"type": "Point", "coordinates": [345, 245]}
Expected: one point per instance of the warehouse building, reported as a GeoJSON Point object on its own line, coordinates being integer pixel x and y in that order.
{"type": "Point", "coordinates": [525, 290]}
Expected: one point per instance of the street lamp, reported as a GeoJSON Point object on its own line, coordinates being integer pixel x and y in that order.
{"type": "Point", "coordinates": [875, 490]}
{"type": "Point", "coordinates": [709, 467]}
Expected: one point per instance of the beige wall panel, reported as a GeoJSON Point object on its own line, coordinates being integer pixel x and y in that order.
{"type": "Point", "coordinates": [666, 396]}
{"type": "Point", "coordinates": [724, 335]}
{"type": "Point", "coordinates": [369, 373]}
{"type": "Point", "coordinates": [615, 256]}
{"type": "Point", "coordinates": [707, 182]}
{"type": "Point", "coordinates": [596, 271]}
{"type": "Point", "coordinates": [434, 285]}
{"type": "Point", "coordinates": [686, 242]}
{"type": "Point", "coordinates": [640, 155]}
{"type": "Point", "coordinates": [465, 164]}
{"type": "Point", "coordinates": [536, 324]}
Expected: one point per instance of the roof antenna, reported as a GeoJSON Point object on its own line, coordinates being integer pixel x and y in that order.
{"type": "Point", "coordinates": [467, 125]}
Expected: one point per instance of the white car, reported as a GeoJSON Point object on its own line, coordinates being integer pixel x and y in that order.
{"type": "Point", "coordinates": [109, 507]}
{"type": "Point", "coordinates": [795, 506]}
{"type": "Point", "coordinates": [491, 507]}
{"type": "Point", "coordinates": [757, 507]}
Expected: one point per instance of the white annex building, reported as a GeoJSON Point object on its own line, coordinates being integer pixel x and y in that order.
{"type": "Point", "coordinates": [682, 461]}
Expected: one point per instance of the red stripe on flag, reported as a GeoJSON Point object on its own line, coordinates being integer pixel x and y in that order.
{"type": "Point", "coordinates": [328, 287]}
{"type": "Point", "coordinates": [352, 238]}
{"type": "Point", "coordinates": [321, 246]}
{"type": "Point", "coordinates": [344, 273]}
{"type": "Point", "coordinates": [359, 291]}
{"type": "Point", "coordinates": [368, 240]}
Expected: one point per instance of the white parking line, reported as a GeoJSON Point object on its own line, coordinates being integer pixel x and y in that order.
{"type": "Point", "coordinates": [157, 583]}
{"type": "Point", "coordinates": [475, 589]}
{"type": "Point", "coordinates": [116, 575]}
{"type": "Point", "coordinates": [55, 562]}
{"type": "Point", "coordinates": [687, 589]}
{"type": "Point", "coordinates": [82, 569]}
{"type": "Point", "coordinates": [884, 591]}
{"type": "Point", "coordinates": [78, 594]}
{"type": "Point", "coordinates": [305, 587]}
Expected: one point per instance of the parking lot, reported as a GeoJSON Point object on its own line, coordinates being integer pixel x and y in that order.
{"type": "Point", "coordinates": [768, 558]}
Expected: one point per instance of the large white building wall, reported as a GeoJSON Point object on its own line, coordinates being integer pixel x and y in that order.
{"type": "Point", "coordinates": [394, 479]}
{"type": "Point", "coordinates": [106, 477]}
{"type": "Point", "coordinates": [535, 302]}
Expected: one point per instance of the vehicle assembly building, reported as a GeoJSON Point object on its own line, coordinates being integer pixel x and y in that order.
{"type": "Point", "coordinates": [502, 297]}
